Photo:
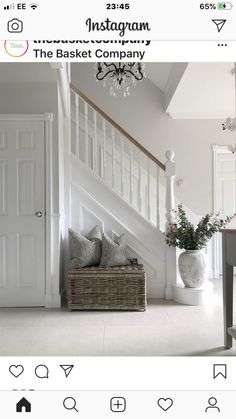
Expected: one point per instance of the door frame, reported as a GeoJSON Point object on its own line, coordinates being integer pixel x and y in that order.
{"type": "Point", "coordinates": [216, 151]}
{"type": "Point", "coordinates": [52, 297]}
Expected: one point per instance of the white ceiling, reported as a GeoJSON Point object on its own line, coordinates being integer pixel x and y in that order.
{"type": "Point", "coordinates": [159, 73]}
{"type": "Point", "coordinates": [26, 73]}
{"type": "Point", "coordinates": [206, 91]}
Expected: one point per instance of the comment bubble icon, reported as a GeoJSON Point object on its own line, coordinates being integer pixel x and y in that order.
{"type": "Point", "coordinates": [42, 371]}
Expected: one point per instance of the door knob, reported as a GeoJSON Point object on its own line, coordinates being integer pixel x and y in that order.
{"type": "Point", "coordinates": [39, 214]}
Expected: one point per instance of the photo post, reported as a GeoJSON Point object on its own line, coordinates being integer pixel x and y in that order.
{"type": "Point", "coordinates": [117, 208]}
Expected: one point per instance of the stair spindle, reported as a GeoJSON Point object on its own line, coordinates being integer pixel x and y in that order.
{"type": "Point", "coordinates": [95, 142]}
{"type": "Point", "coordinates": [140, 184]}
{"type": "Point", "coordinates": [77, 139]}
{"type": "Point", "coordinates": [158, 198]}
{"type": "Point", "coordinates": [104, 159]}
{"type": "Point", "coordinates": [113, 158]}
{"type": "Point", "coordinates": [86, 132]}
{"type": "Point", "coordinates": [122, 168]}
{"type": "Point", "coordinates": [131, 175]}
{"type": "Point", "coordinates": [148, 189]}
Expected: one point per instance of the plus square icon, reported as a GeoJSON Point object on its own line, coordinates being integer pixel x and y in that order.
{"type": "Point", "coordinates": [118, 404]}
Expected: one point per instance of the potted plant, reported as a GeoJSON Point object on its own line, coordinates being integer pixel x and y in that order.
{"type": "Point", "coordinates": [181, 233]}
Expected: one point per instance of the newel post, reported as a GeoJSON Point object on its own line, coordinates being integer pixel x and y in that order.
{"type": "Point", "coordinates": [170, 177]}
{"type": "Point", "coordinates": [171, 254]}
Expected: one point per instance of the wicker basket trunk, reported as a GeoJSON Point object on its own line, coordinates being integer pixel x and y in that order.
{"type": "Point", "coordinates": [110, 288]}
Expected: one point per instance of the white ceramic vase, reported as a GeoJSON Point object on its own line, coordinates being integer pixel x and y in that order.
{"type": "Point", "coordinates": [193, 268]}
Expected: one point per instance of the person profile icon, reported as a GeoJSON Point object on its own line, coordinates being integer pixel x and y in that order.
{"type": "Point", "coordinates": [212, 405]}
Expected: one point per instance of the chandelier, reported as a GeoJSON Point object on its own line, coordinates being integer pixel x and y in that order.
{"type": "Point", "coordinates": [230, 123]}
{"type": "Point", "coordinates": [119, 76]}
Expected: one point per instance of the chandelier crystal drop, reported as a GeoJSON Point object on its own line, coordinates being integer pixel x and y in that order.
{"type": "Point", "coordinates": [119, 77]}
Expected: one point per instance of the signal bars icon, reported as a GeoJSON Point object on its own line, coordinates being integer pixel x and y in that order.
{"type": "Point", "coordinates": [9, 6]}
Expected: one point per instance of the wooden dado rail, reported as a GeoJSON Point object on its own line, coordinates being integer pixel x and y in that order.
{"type": "Point", "coordinates": [117, 127]}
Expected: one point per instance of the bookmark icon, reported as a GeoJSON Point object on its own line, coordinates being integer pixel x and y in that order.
{"type": "Point", "coordinates": [220, 370]}
{"type": "Point", "coordinates": [67, 369]}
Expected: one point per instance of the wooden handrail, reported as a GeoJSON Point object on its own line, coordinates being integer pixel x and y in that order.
{"type": "Point", "coordinates": [116, 126]}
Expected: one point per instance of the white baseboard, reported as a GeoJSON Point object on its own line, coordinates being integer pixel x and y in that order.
{"type": "Point", "coordinates": [169, 293]}
{"type": "Point", "coordinates": [52, 301]}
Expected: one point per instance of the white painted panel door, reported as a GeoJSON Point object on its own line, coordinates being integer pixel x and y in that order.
{"type": "Point", "coordinates": [226, 192]}
{"type": "Point", "coordinates": [22, 195]}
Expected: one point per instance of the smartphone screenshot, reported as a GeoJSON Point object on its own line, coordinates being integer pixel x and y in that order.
{"type": "Point", "coordinates": [117, 209]}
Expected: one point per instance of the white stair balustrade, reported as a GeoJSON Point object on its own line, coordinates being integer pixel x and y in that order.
{"type": "Point", "coordinates": [114, 156]}
{"type": "Point", "coordinates": [112, 176]}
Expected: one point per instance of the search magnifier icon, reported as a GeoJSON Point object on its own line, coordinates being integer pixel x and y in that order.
{"type": "Point", "coordinates": [69, 403]}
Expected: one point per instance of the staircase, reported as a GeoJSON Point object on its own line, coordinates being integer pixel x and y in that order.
{"type": "Point", "coordinates": [117, 183]}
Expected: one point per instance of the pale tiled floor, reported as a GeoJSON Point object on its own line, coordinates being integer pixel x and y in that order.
{"type": "Point", "coordinates": [166, 328]}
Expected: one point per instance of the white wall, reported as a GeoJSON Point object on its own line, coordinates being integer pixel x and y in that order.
{"type": "Point", "coordinates": [34, 99]}
{"type": "Point", "coordinates": [143, 117]}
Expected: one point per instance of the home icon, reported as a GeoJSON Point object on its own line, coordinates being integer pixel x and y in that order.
{"type": "Point", "coordinates": [23, 406]}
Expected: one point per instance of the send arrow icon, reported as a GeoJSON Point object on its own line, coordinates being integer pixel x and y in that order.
{"type": "Point", "coordinates": [219, 23]}
{"type": "Point", "coordinates": [67, 369]}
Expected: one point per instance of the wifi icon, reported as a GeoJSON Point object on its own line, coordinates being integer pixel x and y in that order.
{"type": "Point", "coordinates": [33, 6]}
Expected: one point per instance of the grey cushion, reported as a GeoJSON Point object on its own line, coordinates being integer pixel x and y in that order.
{"type": "Point", "coordinates": [85, 250]}
{"type": "Point", "coordinates": [95, 233]}
{"type": "Point", "coordinates": [114, 252]}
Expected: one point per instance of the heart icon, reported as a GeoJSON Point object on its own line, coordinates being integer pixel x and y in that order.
{"type": "Point", "coordinates": [165, 404]}
{"type": "Point", "coordinates": [16, 370]}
